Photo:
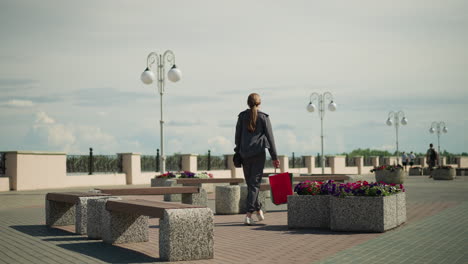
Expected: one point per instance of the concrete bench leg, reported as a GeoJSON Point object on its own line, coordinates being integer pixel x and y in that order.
{"type": "Point", "coordinates": [95, 209]}
{"type": "Point", "coordinates": [59, 213]}
{"type": "Point", "coordinates": [200, 198]}
{"type": "Point", "coordinates": [186, 234]}
{"type": "Point", "coordinates": [227, 199]}
{"type": "Point", "coordinates": [167, 182]}
{"type": "Point", "coordinates": [81, 209]}
{"type": "Point", "coordinates": [262, 198]}
{"type": "Point", "coordinates": [118, 228]}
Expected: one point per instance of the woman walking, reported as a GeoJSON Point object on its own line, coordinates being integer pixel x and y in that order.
{"type": "Point", "coordinates": [253, 136]}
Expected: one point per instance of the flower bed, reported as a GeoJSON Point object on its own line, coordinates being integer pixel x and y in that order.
{"type": "Point", "coordinates": [357, 206]}
{"type": "Point", "coordinates": [444, 173]}
{"type": "Point", "coordinates": [391, 174]}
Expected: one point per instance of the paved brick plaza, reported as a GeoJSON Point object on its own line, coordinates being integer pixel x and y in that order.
{"type": "Point", "coordinates": [436, 232]}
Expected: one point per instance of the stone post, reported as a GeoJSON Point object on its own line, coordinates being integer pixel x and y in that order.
{"type": "Point", "coordinates": [309, 163]}
{"type": "Point", "coordinates": [337, 164]}
{"type": "Point", "coordinates": [443, 161]}
{"type": "Point", "coordinates": [284, 163]}
{"type": "Point", "coordinates": [131, 166]}
{"type": "Point", "coordinates": [375, 161]}
{"type": "Point", "coordinates": [359, 160]}
{"type": "Point", "coordinates": [189, 162]}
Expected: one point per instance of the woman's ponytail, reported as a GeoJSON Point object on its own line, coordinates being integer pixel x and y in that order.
{"type": "Point", "coordinates": [253, 101]}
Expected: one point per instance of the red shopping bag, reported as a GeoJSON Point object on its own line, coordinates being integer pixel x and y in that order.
{"type": "Point", "coordinates": [281, 187]}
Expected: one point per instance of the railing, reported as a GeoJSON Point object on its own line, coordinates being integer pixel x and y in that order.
{"type": "Point", "coordinates": [451, 160]}
{"type": "Point", "coordinates": [296, 162]}
{"type": "Point", "coordinates": [2, 163]}
{"type": "Point", "coordinates": [318, 163]}
{"type": "Point", "coordinates": [368, 161]}
{"type": "Point", "coordinates": [381, 161]}
{"type": "Point", "coordinates": [209, 162]}
{"type": "Point", "coordinates": [350, 162]}
{"type": "Point", "coordinates": [174, 162]}
{"type": "Point", "coordinates": [417, 161]}
{"type": "Point", "coordinates": [94, 163]}
{"type": "Point", "coordinates": [149, 163]}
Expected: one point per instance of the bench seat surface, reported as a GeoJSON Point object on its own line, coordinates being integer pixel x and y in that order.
{"type": "Point", "coordinates": [152, 190]}
{"type": "Point", "coordinates": [145, 207]}
{"type": "Point", "coordinates": [71, 197]}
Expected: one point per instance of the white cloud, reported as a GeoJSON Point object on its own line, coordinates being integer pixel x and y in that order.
{"type": "Point", "coordinates": [42, 118]}
{"type": "Point", "coordinates": [220, 144]}
{"type": "Point", "coordinates": [19, 103]}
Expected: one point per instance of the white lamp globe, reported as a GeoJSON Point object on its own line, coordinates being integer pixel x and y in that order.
{"type": "Point", "coordinates": [311, 107]}
{"type": "Point", "coordinates": [389, 122]}
{"type": "Point", "coordinates": [147, 77]}
{"type": "Point", "coordinates": [445, 129]}
{"type": "Point", "coordinates": [404, 121]}
{"type": "Point", "coordinates": [174, 74]}
{"type": "Point", "coordinates": [332, 106]}
{"type": "Point", "coordinates": [432, 130]}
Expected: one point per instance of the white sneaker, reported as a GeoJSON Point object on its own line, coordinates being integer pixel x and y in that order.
{"type": "Point", "coordinates": [260, 216]}
{"type": "Point", "coordinates": [249, 221]}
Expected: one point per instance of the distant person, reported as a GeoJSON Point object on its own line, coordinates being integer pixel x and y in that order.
{"type": "Point", "coordinates": [253, 136]}
{"type": "Point", "coordinates": [411, 158]}
{"type": "Point", "coordinates": [431, 158]}
{"type": "Point", "coordinates": [404, 159]}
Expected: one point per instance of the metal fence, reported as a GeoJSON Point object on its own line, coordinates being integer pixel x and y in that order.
{"type": "Point", "coordinates": [451, 160]}
{"type": "Point", "coordinates": [209, 162]}
{"type": "Point", "coordinates": [149, 163]}
{"type": "Point", "coordinates": [296, 162]}
{"type": "Point", "coordinates": [2, 163]}
{"type": "Point", "coordinates": [94, 163]}
{"type": "Point", "coordinates": [174, 163]}
{"type": "Point", "coordinates": [368, 161]}
{"type": "Point", "coordinates": [350, 162]}
{"type": "Point", "coordinates": [318, 163]}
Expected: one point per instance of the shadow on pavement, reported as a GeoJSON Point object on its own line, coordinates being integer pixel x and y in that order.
{"type": "Point", "coordinates": [109, 253]}
{"type": "Point", "coordinates": [41, 230]}
{"type": "Point", "coordinates": [317, 231]}
{"type": "Point", "coordinates": [82, 245]}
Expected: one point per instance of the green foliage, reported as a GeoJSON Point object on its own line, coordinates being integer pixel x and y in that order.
{"type": "Point", "coordinates": [367, 152]}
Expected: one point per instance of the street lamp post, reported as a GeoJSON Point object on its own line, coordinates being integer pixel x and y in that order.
{"type": "Point", "coordinates": [438, 127]}
{"type": "Point", "coordinates": [321, 98]}
{"type": "Point", "coordinates": [147, 77]}
{"type": "Point", "coordinates": [396, 116]}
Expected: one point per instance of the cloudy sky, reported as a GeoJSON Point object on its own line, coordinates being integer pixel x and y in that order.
{"type": "Point", "coordinates": [70, 73]}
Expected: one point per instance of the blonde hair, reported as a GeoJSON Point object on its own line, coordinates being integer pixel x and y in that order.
{"type": "Point", "coordinates": [253, 101]}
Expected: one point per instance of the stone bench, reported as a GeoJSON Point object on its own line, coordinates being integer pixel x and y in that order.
{"type": "Point", "coordinates": [190, 194]}
{"type": "Point", "coordinates": [186, 232]}
{"type": "Point", "coordinates": [231, 199]}
{"type": "Point", "coordinates": [69, 208]}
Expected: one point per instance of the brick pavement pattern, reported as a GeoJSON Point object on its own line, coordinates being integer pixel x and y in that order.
{"type": "Point", "coordinates": [436, 232]}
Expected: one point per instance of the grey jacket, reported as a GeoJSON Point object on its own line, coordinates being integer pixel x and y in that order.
{"type": "Point", "coordinates": [250, 144]}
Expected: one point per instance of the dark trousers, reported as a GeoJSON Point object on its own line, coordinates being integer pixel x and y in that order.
{"type": "Point", "coordinates": [253, 171]}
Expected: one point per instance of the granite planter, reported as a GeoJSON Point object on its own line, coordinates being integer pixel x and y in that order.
{"type": "Point", "coordinates": [367, 213]}
{"type": "Point", "coordinates": [167, 182]}
{"type": "Point", "coordinates": [387, 176]}
{"type": "Point", "coordinates": [444, 174]}
{"type": "Point", "coordinates": [415, 171]}
{"type": "Point", "coordinates": [309, 211]}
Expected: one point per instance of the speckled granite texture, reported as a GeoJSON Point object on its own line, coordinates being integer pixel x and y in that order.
{"type": "Point", "coordinates": [401, 208]}
{"type": "Point", "coordinates": [167, 182]}
{"type": "Point", "coordinates": [444, 174]}
{"type": "Point", "coordinates": [59, 213]}
{"type": "Point", "coordinates": [309, 211]}
{"type": "Point", "coordinates": [186, 234]}
{"type": "Point", "coordinates": [367, 214]}
{"type": "Point", "coordinates": [262, 196]}
{"type": "Point", "coordinates": [200, 198]}
{"type": "Point", "coordinates": [81, 209]}
{"type": "Point", "coordinates": [227, 199]}
{"type": "Point", "coordinates": [415, 171]}
{"type": "Point", "coordinates": [120, 227]}
{"type": "Point", "coordinates": [397, 177]}
{"type": "Point", "coordinates": [96, 207]}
